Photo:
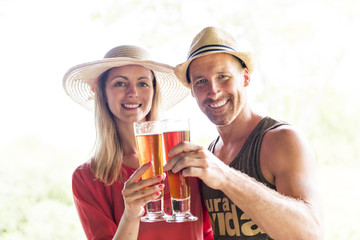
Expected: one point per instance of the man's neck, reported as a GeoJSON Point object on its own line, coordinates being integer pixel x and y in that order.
{"type": "Point", "coordinates": [240, 127]}
{"type": "Point", "coordinates": [234, 135]}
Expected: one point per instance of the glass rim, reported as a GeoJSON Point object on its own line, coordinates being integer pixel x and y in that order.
{"type": "Point", "coordinates": [157, 127]}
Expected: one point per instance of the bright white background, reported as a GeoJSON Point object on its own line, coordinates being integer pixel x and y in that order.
{"type": "Point", "coordinates": [304, 49]}
{"type": "Point", "coordinates": [40, 41]}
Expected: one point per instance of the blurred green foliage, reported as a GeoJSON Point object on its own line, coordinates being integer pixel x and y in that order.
{"type": "Point", "coordinates": [35, 191]}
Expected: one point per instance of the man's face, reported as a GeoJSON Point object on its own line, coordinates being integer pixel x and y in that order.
{"type": "Point", "coordinates": [218, 84]}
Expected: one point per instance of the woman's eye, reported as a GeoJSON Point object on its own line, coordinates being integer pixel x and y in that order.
{"type": "Point", "coordinates": [119, 84]}
{"type": "Point", "coordinates": [143, 84]}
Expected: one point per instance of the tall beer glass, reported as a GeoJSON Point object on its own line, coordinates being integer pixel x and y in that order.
{"type": "Point", "coordinates": [149, 142]}
{"type": "Point", "coordinates": [176, 131]}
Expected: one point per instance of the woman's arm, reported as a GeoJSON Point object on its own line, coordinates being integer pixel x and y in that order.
{"type": "Point", "coordinates": [136, 194]}
{"type": "Point", "coordinates": [95, 213]}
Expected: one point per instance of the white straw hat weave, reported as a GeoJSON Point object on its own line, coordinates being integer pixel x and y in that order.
{"type": "Point", "coordinates": [81, 80]}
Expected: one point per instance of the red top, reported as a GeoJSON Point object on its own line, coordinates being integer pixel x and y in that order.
{"type": "Point", "coordinates": [100, 208]}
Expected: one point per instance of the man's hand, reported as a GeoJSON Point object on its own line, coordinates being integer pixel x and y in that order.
{"type": "Point", "coordinates": [196, 161]}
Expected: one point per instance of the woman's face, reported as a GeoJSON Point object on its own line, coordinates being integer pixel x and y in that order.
{"type": "Point", "coordinates": [129, 93]}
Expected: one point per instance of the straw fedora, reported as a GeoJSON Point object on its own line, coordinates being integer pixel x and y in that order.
{"type": "Point", "coordinates": [81, 80]}
{"type": "Point", "coordinates": [212, 40]}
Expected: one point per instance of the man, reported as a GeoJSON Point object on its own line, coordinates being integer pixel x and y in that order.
{"type": "Point", "coordinates": [259, 174]}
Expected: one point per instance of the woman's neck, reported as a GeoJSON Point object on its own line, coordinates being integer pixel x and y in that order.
{"type": "Point", "coordinates": [128, 142]}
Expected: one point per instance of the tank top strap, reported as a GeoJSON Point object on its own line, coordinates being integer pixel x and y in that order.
{"type": "Point", "coordinates": [212, 144]}
{"type": "Point", "coordinates": [248, 159]}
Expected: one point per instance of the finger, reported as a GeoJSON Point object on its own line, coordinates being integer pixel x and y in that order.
{"type": "Point", "coordinates": [149, 191]}
{"type": "Point", "coordinates": [135, 206]}
{"type": "Point", "coordinates": [193, 172]}
{"type": "Point", "coordinates": [184, 160]}
{"type": "Point", "coordinates": [130, 187]}
{"type": "Point", "coordinates": [202, 174]}
{"type": "Point", "coordinates": [144, 193]}
{"type": "Point", "coordinates": [188, 162]}
{"type": "Point", "coordinates": [139, 172]}
{"type": "Point", "coordinates": [184, 147]}
{"type": "Point", "coordinates": [174, 160]}
{"type": "Point", "coordinates": [144, 200]}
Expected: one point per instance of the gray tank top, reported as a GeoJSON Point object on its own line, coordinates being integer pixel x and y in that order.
{"type": "Point", "coordinates": [229, 221]}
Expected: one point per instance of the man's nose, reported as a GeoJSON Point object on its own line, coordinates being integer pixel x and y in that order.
{"type": "Point", "coordinates": [214, 90]}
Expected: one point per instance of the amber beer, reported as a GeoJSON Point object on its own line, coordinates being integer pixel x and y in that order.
{"type": "Point", "coordinates": [149, 143]}
{"type": "Point", "coordinates": [179, 185]}
{"type": "Point", "coordinates": [151, 147]}
{"type": "Point", "coordinates": [176, 131]}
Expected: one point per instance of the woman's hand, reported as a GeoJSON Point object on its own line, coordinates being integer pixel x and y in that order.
{"type": "Point", "coordinates": [137, 192]}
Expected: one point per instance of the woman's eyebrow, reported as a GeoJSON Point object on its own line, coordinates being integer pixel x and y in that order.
{"type": "Point", "coordinates": [119, 76]}
{"type": "Point", "coordinates": [144, 77]}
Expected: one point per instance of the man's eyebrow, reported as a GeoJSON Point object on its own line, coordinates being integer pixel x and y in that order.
{"type": "Point", "coordinates": [197, 77]}
{"type": "Point", "coordinates": [223, 72]}
{"type": "Point", "coordinates": [218, 73]}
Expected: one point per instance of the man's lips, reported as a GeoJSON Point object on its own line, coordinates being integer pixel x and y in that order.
{"type": "Point", "coordinates": [217, 104]}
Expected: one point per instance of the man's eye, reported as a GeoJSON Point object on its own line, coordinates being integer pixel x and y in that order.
{"type": "Point", "coordinates": [223, 77]}
{"type": "Point", "coordinates": [200, 81]}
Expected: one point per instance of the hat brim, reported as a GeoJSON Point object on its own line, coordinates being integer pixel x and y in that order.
{"type": "Point", "coordinates": [80, 81]}
{"type": "Point", "coordinates": [181, 69]}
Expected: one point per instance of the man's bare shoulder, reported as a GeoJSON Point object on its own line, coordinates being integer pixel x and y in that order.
{"type": "Point", "coordinates": [284, 149]}
{"type": "Point", "coordinates": [282, 138]}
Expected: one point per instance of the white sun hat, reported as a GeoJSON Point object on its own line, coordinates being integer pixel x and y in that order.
{"type": "Point", "coordinates": [81, 80]}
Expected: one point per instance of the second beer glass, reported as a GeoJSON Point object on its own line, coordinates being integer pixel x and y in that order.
{"type": "Point", "coordinates": [176, 131]}
{"type": "Point", "coordinates": [149, 141]}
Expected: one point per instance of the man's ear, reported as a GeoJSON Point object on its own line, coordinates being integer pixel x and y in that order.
{"type": "Point", "coordinates": [246, 77]}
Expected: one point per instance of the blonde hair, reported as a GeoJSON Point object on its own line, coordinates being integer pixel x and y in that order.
{"type": "Point", "coordinates": [106, 164]}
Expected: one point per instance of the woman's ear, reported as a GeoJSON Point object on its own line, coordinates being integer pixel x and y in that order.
{"type": "Point", "coordinates": [104, 92]}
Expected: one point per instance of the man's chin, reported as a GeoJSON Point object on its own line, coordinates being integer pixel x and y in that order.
{"type": "Point", "coordinates": [219, 120]}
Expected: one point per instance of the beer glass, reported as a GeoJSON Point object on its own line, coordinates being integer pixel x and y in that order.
{"type": "Point", "coordinates": [176, 131]}
{"type": "Point", "coordinates": [149, 142]}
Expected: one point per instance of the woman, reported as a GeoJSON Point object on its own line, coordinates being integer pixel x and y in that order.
{"type": "Point", "coordinates": [124, 87]}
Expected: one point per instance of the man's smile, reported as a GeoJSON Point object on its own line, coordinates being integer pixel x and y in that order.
{"type": "Point", "coordinates": [218, 104]}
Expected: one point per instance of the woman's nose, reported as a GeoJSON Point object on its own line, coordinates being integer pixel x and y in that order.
{"type": "Point", "coordinates": [131, 91]}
